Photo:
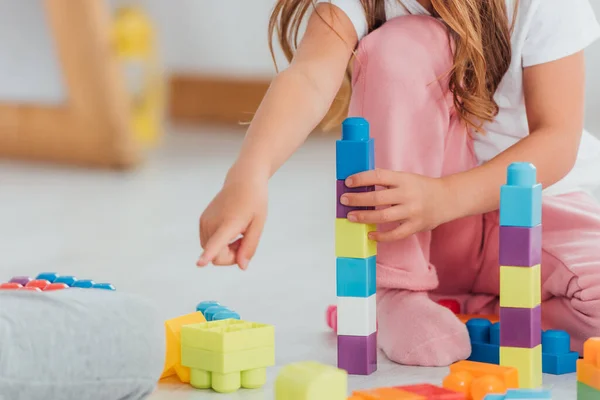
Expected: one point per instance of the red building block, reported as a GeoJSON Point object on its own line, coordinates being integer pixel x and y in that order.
{"type": "Point", "coordinates": [10, 286]}
{"type": "Point", "coordinates": [55, 286]}
{"type": "Point", "coordinates": [38, 283]}
{"type": "Point", "coordinates": [432, 392]}
{"type": "Point", "coordinates": [451, 304]}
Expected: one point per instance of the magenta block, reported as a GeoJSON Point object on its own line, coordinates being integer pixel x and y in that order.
{"type": "Point", "coordinates": [341, 210]}
{"type": "Point", "coordinates": [521, 327]}
{"type": "Point", "coordinates": [520, 247]}
{"type": "Point", "coordinates": [22, 280]}
{"type": "Point", "coordinates": [358, 354]}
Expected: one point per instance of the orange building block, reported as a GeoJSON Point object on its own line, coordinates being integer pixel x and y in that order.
{"type": "Point", "coordinates": [386, 394]}
{"type": "Point", "coordinates": [477, 380]}
{"type": "Point", "coordinates": [467, 317]}
{"type": "Point", "coordinates": [432, 392]}
{"type": "Point", "coordinates": [173, 336]}
{"type": "Point", "coordinates": [588, 369]}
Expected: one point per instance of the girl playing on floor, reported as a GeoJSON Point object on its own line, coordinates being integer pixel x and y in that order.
{"type": "Point", "coordinates": [455, 91]}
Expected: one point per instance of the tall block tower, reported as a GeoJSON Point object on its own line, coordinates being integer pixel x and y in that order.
{"type": "Point", "coordinates": [520, 274]}
{"type": "Point", "coordinates": [355, 253]}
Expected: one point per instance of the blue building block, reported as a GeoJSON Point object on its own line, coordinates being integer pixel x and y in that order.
{"type": "Point", "coordinates": [49, 276]}
{"type": "Point", "coordinates": [203, 306]}
{"type": "Point", "coordinates": [485, 341]}
{"type": "Point", "coordinates": [225, 314]}
{"type": "Point", "coordinates": [521, 197]}
{"type": "Point", "coordinates": [103, 286]}
{"type": "Point", "coordinates": [67, 280]}
{"type": "Point", "coordinates": [356, 277]}
{"type": "Point", "coordinates": [210, 312]}
{"type": "Point", "coordinates": [494, 397]}
{"type": "Point", "coordinates": [525, 394]}
{"type": "Point", "coordinates": [557, 357]}
{"type": "Point", "coordinates": [356, 151]}
{"type": "Point", "coordinates": [84, 284]}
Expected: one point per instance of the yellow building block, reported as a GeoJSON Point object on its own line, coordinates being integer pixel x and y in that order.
{"type": "Point", "coordinates": [173, 337]}
{"type": "Point", "coordinates": [520, 287]}
{"type": "Point", "coordinates": [351, 239]}
{"type": "Point", "coordinates": [311, 381]}
{"type": "Point", "coordinates": [527, 361]}
{"type": "Point", "coordinates": [588, 369]}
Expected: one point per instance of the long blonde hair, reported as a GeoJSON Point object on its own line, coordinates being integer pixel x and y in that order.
{"type": "Point", "coordinates": [480, 30]}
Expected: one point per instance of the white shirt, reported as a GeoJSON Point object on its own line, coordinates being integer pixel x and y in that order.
{"type": "Point", "coordinates": [545, 30]}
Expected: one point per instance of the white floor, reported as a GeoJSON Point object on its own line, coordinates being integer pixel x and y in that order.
{"type": "Point", "coordinates": [139, 231]}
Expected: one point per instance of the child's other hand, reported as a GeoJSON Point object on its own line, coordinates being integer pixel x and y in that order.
{"type": "Point", "coordinates": [239, 209]}
{"type": "Point", "coordinates": [418, 202]}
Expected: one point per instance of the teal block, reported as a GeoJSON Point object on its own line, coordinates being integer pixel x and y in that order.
{"type": "Point", "coordinates": [355, 152]}
{"type": "Point", "coordinates": [521, 197]}
{"type": "Point", "coordinates": [356, 277]}
{"type": "Point", "coordinates": [526, 394]}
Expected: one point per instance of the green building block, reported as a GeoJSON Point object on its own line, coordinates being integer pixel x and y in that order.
{"type": "Point", "coordinates": [311, 381]}
{"type": "Point", "coordinates": [227, 362]}
{"type": "Point", "coordinates": [227, 335]}
{"type": "Point", "coordinates": [585, 392]}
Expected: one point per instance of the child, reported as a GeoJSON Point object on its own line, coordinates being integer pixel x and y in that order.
{"type": "Point", "coordinates": [455, 91]}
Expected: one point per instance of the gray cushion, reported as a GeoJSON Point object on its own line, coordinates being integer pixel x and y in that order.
{"type": "Point", "coordinates": [79, 344]}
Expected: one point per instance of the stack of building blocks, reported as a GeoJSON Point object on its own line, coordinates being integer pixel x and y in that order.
{"type": "Point", "coordinates": [51, 281]}
{"type": "Point", "coordinates": [476, 380]}
{"type": "Point", "coordinates": [214, 311]}
{"type": "Point", "coordinates": [173, 346]}
{"type": "Point", "coordinates": [588, 371]}
{"type": "Point", "coordinates": [228, 354]}
{"type": "Point", "coordinates": [355, 266]}
{"type": "Point", "coordinates": [311, 381]}
{"type": "Point", "coordinates": [522, 394]}
{"type": "Point", "coordinates": [520, 274]}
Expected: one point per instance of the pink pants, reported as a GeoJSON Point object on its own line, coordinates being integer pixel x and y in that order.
{"type": "Point", "coordinates": [416, 129]}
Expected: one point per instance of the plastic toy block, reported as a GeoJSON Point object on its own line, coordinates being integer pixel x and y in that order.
{"type": "Point", "coordinates": [103, 286]}
{"type": "Point", "coordinates": [204, 305]}
{"type": "Point", "coordinates": [585, 392]}
{"type": "Point", "coordinates": [357, 354]}
{"type": "Point", "coordinates": [331, 317]}
{"type": "Point", "coordinates": [357, 316]}
{"type": "Point", "coordinates": [355, 152]}
{"type": "Point", "coordinates": [55, 286]}
{"type": "Point", "coordinates": [520, 247]}
{"type": "Point", "coordinates": [527, 361]}
{"type": "Point", "coordinates": [227, 335]}
{"type": "Point", "coordinates": [588, 369]}
{"type": "Point", "coordinates": [485, 341]}
{"type": "Point", "coordinates": [47, 276]}
{"type": "Point", "coordinates": [311, 381]}
{"type": "Point", "coordinates": [22, 280]}
{"type": "Point", "coordinates": [67, 280]}
{"type": "Point", "coordinates": [521, 327]}
{"type": "Point", "coordinates": [38, 283]}
{"type": "Point", "coordinates": [476, 380]}
{"type": "Point", "coordinates": [432, 392]}
{"type": "Point", "coordinates": [227, 362]}
{"type": "Point", "coordinates": [521, 197]}
{"type": "Point", "coordinates": [557, 357]}
{"type": "Point", "coordinates": [386, 394]}
{"type": "Point", "coordinates": [173, 344]}
{"type": "Point", "coordinates": [225, 314]}
{"type": "Point", "coordinates": [450, 304]}
{"type": "Point", "coordinates": [10, 286]}
{"type": "Point", "coordinates": [341, 188]}
{"type": "Point", "coordinates": [520, 287]}
{"type": "Point", "coordinates": [464, 318]}
{"type": "Point", "coordinates": [351, 239]}
{"type": "Point", "coordinates": [356, 277]}
{"type": "Point", "coordinates": [83, 284]}
{"type": "Point", "coordinates": [521, 394]}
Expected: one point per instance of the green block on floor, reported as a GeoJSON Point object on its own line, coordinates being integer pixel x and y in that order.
{"type": "Point", "coordinates": [585, 392]}
{"type": "Point", "coordinates": [228, 335]}
{"type": "Point", "coordinates": [311, 381]}
{"type": "Point", "coordinates": [233, 361]}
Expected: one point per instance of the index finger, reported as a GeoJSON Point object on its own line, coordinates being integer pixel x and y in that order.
{"type": "Point", "coordinates": [374, 177]}
{"type": "Point", "coordinates": [218, 240]}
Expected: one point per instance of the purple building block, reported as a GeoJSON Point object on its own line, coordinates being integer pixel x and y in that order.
{"type": "Point", "coordinates": [520, 247]}
{"type": "Point", "coordinates": [358, 354]}
{"type": "Point", "coordinates": [520, 327]}
{"type": "Point", "coordinates": [341, 210]}
{"type": "Point", "coordinates": [23, 280]}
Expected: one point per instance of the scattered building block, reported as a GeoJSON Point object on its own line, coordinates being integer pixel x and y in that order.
{"type": "Point", "coordinates": [557, 357]}
{"type": "Point", "coordinates": [21, 280]}
{"type": "Point", "coordinates": [485, 341]}
{"type": "Point", "coordinates": [357, 316]}
{"type": "Point", "coordinates": [520, 287]}
{"type": "Point", "coordinates": [432, 392]}
{"type": "Point", "coordinates": [351, 239]}
{"type": "Point", "coordinates": [341, 188]}
{"type": "Point", "coordinates": [173, 345]}
{"type": "Point", "coordinates": [67, 280]}
{"type": "Point", "coordinates": [103, 286]}
{"type": "Point", "coordinates": [521, 197]}
{"type": "Point", "coordinates": [47, 276]}
{"type": "Point", "coordinates": [84, 284]}
{"type": "Point", "coordinates": [55, 286]}
{"type": "Point", "coordinates": [38, 283]}
{"type": "Point", "coordinates": [521, 246]}
{"type": "Point", "coordinates": [355, 152]}
{"type": "Point", "coordinates": [527, 361]}
{"type": "Point", "coordinates": [10, 286]}
{"type": "Point", "coordinates": [228, 354]}
{"type": "Point", "coordinates": [588, 369]}
{"type": "Point", "coordinates": [357, 354]}
{"type": "Point", "coordinates": [522, 394]}
{"type": "Point", "coordinates": [214, 311]}
{"type": "Point", "coordinates": [450, 304]}
{"type": "Point", "coordinates": [311, 381]}
{"type": "Point", "coordinates": [331, 317]}
{"type": "Point", "coordinates": [476, 380]}
{"type": "Point", "coordinates": [521, 327]}
{"type": "Point", "coordinates": [356, 277]}
{"type": "Point", "coordinates": [585, 392]}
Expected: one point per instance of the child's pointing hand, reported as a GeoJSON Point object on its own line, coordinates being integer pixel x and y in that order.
{"type": "Point", "coordinates": [417, 202]}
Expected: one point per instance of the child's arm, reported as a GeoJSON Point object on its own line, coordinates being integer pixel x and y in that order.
{"type": "Point", "coordinates": [297, 101]}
